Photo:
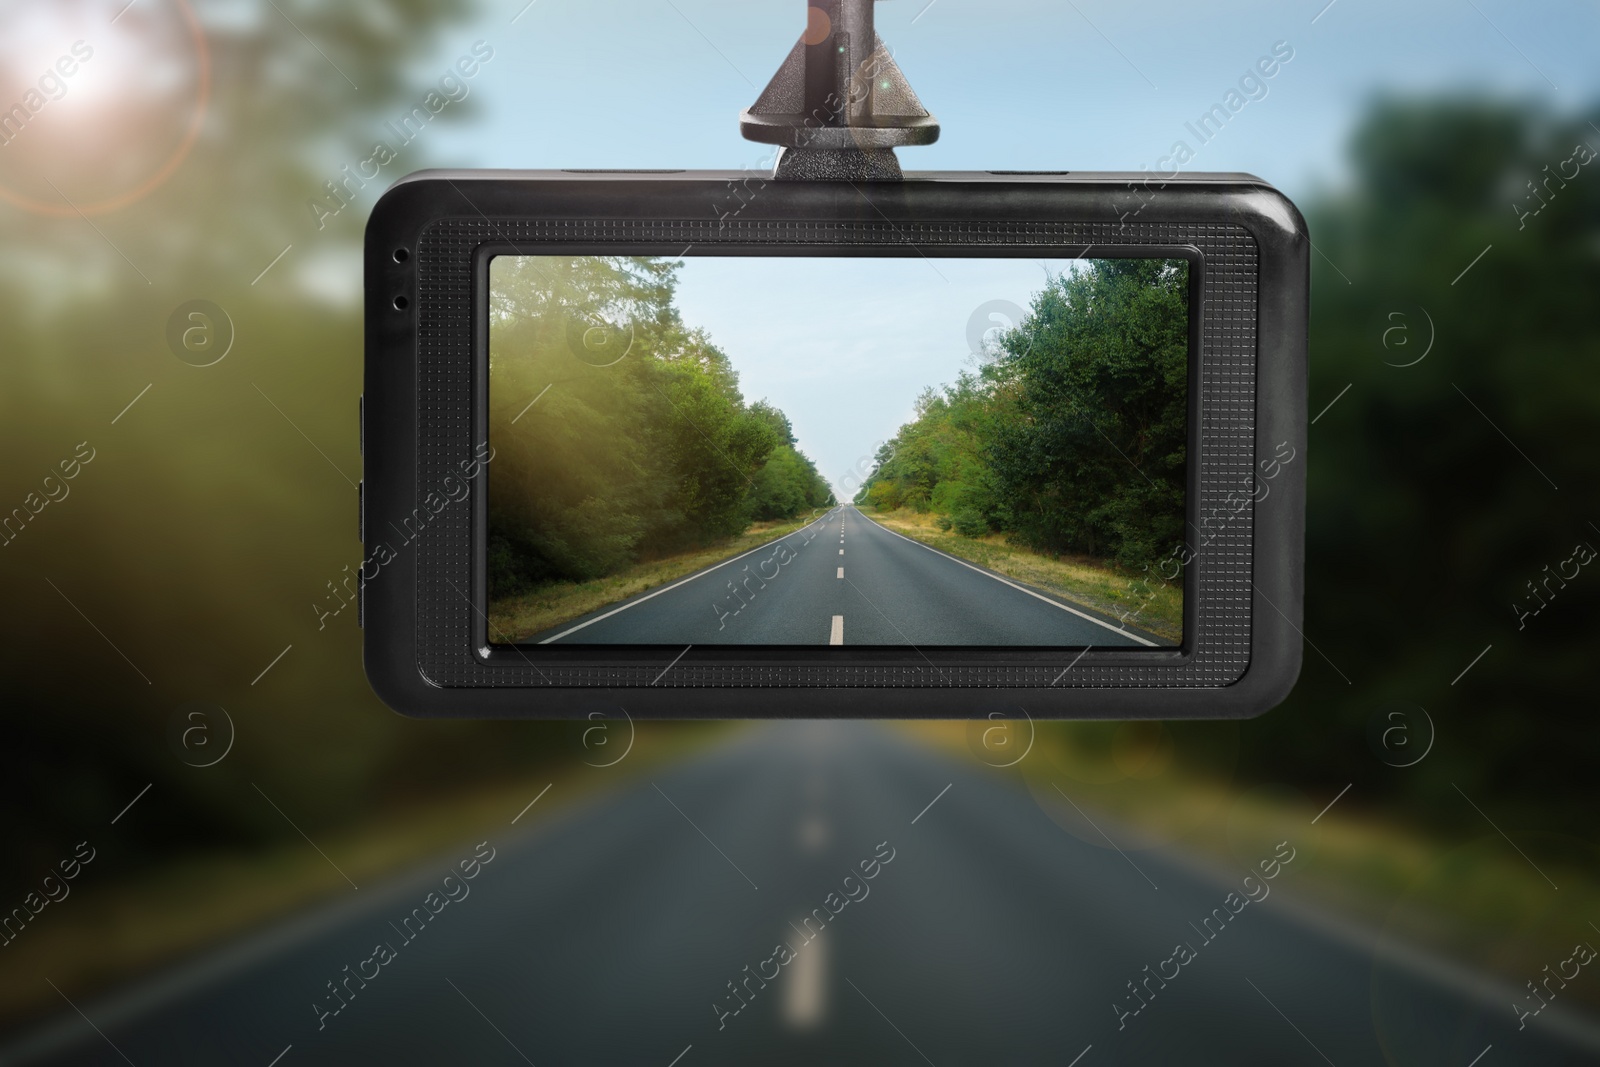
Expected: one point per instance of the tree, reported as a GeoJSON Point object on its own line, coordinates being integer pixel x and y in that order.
{"type": "Point", "coordinates": [641, 444]}
{"type": "Point", "coordinates": [1071, 438]}
{"type": "Point", "coordinates": [1093, 458]}
{"type": "Point", "coordinates": [1432, 505]}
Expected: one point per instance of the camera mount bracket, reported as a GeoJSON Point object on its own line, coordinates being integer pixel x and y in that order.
{"type": "Point", "coordinates": [839, 106]}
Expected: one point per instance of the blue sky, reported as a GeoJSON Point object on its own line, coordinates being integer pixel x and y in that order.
{"type": "Point", "coordinates": [1016, 84]}
{"type": "Point", "coordinates": [848, 370]}
{"type": "Point", "coordinates": [1023, 84]}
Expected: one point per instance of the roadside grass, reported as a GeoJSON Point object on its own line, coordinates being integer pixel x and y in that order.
{"type": "Point", "coordinates": [105, 933]}
{"type": "Point", "coordinates": [1473, 898]}
{"type": "Point", "coordinates": [1152, 605]}
{"type": "Point", "coordinates": [517, 618]}
{"type": "Point", "coordinates": [1470, 897]}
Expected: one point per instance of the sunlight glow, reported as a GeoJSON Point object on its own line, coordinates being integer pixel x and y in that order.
{"type": "Point", "coordinates": [99, 101]}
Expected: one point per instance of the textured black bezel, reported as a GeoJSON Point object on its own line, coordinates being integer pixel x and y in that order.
{"type": "Point", "coordinates": [428, 245]}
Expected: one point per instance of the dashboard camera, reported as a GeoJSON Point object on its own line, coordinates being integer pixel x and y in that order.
{"type": "Point", "coordinates": [834, 439]}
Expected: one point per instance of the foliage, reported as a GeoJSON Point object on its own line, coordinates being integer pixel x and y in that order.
{"type": "Point", "coordinates": [1071, 437]}
{"type": "Point", "coordinates": [968, 522]}
{"type": "Point", "coordinates": [620, 434]}
{"type": "Point", "coordinates": [207, 526]}
{"type": "Point", "coordinates": [200, 538]}
{"type": "Point", "coordinates": [1432, 483]}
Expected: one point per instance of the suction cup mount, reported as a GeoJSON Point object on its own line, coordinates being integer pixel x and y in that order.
{"type": "Point", "coordinates": [839, 106]}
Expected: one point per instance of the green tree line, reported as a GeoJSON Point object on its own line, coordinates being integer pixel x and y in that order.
{"type": "Point", "coordinates": [1070, 435]}
{"type": "Point", "coordinates": [1425, 526]}
{"type": "Point", "coordinates": [619, 432]}
{"type": "Point", "coordinates": [1456, 304]}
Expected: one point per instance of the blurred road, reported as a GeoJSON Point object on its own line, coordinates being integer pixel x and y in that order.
{"type": "Point", "coordinates": [610, 934]}
{"type": "Point", "coordinates": [845, 580]}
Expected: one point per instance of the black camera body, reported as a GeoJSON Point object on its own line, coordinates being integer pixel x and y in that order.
{"type": "Point", "coordinates": [431, 650]}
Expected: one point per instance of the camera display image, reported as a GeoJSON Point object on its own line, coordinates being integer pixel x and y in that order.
{"type": "Point", "coordinates": [855, 451]}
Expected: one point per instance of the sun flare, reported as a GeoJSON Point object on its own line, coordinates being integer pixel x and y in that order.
{"type": "Point", "coordinates": [99, 101]}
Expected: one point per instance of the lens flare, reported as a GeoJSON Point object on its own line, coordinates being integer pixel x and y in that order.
{"type": "Point", "coordinates": [100, 102]}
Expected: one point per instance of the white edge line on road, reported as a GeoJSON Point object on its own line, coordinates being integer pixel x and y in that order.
{"type": "Point", "coordinates": [674, 585]}
{"type": "Point", "coordinates": [60, 1034]}
{"type": "Point", "coordinates": [1018, 588]}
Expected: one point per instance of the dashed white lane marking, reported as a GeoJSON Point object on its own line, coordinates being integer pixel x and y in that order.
{"type": "Point", "coordinates": [841, 572]}
{"type": "Point", "coordinates": [805, 994]}
{"type": "Point", "coordinates": [836, 635]}
{"type": "Point", "coordinates": [813, 834]}
{"type": "Point", "coordinates": [841, 552]}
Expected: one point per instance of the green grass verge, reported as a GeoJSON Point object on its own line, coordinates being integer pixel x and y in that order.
{"type": "Point", "coordinates": [1469, 896]}
{"type": "Point", "coordinates": [109, 931]}
{"type": "Point", "coordinates": [1153, 606]}
{"type": "Point", "coordinates": [519, 617]}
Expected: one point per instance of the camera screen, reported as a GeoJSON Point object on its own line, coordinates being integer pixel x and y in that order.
{"type": "Point", "coordinates": [814, 451]}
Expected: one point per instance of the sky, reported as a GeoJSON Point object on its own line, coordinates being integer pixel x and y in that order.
{"type": "Point", "coordinates": [848, 370]}
{"type": "Point", "coordinates": [1016, 84]}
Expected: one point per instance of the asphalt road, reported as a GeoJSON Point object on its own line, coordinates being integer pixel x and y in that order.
{"type": "Point", "coordinates": [845, 580]}
{"type": "Point", "coordinates": [609, 933]}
